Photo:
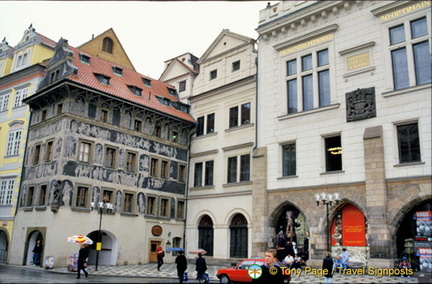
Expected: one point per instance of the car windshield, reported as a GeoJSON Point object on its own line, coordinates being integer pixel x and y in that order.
{"type": "Point", "coordinates": [245, 264]}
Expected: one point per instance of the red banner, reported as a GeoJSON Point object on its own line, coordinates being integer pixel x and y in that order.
{"type": "Point", "coordinates": [353, 227]}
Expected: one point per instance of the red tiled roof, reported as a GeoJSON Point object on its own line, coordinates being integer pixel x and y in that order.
{"type": "Point", "coordinates": [118, 85]}
{"type": "Point", "coordinates": [47, 41]}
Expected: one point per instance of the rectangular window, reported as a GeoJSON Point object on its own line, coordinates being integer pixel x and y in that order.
{"type": "Point", "coordinates": [292, 67]}
{"type": "Point", "coordinates": [165, 170]}
{"type": "Point", "coordinates": [233, 117]}
{"type": "Point", "coordinates": [324, 88]}
{"type": "Point", "coordinates": [307, 85]}
{"type": "Point", "coordinates": [59, 109]}
{"type": "Point", "coordinates": [292, 96]}
{"type": "Point", "coordinates": [30, 196]}
{"type": "Point", "coordinates": [198, 174]}
{"type": "Point", "coordinates": [157, 131]}
{"type": "Point", "coordinates": [151, 203]}
{"type": "Point", "coordinates": [210, 123]}
{"type": "Point", "coordinates": [107, 196]}
{"type": "Point", "coordinates": [110, 157]}
{"type": "Point", "coordinates": [13, 144]}
{"type": "Point", "coordinates": [137, 125]}
{"type": "Point", "coordinates": [36, 154]}
{"type": "Point", "coordinates": [333, 153]}
{"type": "Point", "coordinates": [289, 160]}
{"type": "Point", "coordinates": [232, 170]}
{"type": "Point", "coordinates": [174, 136]}
{"type": "Point", "coordinates": [182, 86]}
{"type": "Point", "coordinates": [182, 173]}
{"type": "Point", "coordinates": [49, 151]}
{"type": "Point", "coordinates": [245, 113]}
{"type": "Point", "coordinates": [42, 195]}
{"type": "Point", "coordinates": [213, 74]}
{"type": "Point", "coordinates": [164, 207]}
{"type": "Point", "coordinates": [410, 53]}
{"type": "Point", "coordinates": [180, 209]}
{"type": "Point", "coordinates": [19, 96]}
{"type": "Point", "coordinates": [200, 126]}
{"type": "Point", "coordinates": [208, 180]}
{"type": "Point", "coordinates": [4, 102]}
{"type": "Point", "coordinates": [84, 152]}
{"type": "Point", "coordinates": [408, 143]}
{"type": "Point", "coordinates": [131, 162]}
{"type": "Point", "coordinates": [245, 168]}
{"type": "Point", "coordinates": [104, 115]}
{"type": "Point", "coordinates": [236, 66]}
{"type": "Point", "coordinates": [81, 197]}
{"type": "Point", "coordinates": [128, 203]}
{"type": "Point", "coordinates": [307, 62]}
{"type": "Point", "coordinates": [44, 115]}
{"type": "Point", "coordinates": [6, 191]}
{"type": "Point", "coordinates": [154, 164]}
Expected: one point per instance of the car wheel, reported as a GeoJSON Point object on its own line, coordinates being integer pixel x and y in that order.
{"type": "Point", "coordinates": [224, 279]}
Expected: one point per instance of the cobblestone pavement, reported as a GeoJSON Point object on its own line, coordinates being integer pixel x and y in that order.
{"type": "Point", "coordinates": [169, 271]}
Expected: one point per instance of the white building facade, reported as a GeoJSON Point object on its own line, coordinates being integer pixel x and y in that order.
{"type": "Point", "coordinates": [344, 107]}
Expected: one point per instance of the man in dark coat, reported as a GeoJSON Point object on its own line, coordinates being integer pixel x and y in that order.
{"type": "Point", "coordinates": [37, 250]}
{"type": "Point", "coordinates": [328, 266]}
{"type": "Point", "coordinates": [181, 265]}
{"type": "Point", "coordinates": [200, 267]}
{"type": "Point", "coordinates": [82, 260]}
{"type": "Point", "coordinates": [276, 276]}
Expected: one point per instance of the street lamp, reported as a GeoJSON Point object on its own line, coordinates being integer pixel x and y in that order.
{"type": "Point", "coordinates": [103, 206]}
{"type": "Point", "coordinates": [327, 199]}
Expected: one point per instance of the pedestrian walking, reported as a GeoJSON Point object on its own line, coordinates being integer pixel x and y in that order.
{"type": "Point", "coordinates": [160, 253]}
{"type": "Point", "coordinates": [345, 258]}
{"type": "Point", "coordinates": [328, 268]}
{"type": "Point", "coordinates": [82, 260]}
{"type": "Point", "coordinates": [37, 250]}
{"type": "Point", "coordinates": [181, 266]}
{"type": "Point", "coordinates": [276, 277]}
{"type": "Point", "coordinates": [200, 267]}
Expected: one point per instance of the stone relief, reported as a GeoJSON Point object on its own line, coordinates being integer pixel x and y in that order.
{"type": "Point", "coordinates": [57, 148]}
{"type": "Point", "coordinates": [98, 154]}
{"type": "Point", "coordinates": [70, 147]}
{"type": "Point", "coordinates": [360, 104]}
{"type": "Point", "coordinates": [118, 201]}
{"type": "Point", "coordinates": [67, 193]}
{"type": "Point", "coordinates": [45, 131]}
{"type": "Point", "coordinates": [141, 203]}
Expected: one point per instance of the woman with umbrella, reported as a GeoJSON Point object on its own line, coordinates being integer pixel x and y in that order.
{"type": "Point", "coordinates": [82, 260]}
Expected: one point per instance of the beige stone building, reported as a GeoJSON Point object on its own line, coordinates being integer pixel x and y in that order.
{"type": "Point", "coordinates": [344, 107]}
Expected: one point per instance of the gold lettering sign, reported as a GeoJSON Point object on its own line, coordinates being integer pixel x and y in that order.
{"type": "Point", "coordinates": [405, 10]}
{"type": "Point", "coordinates": [358, 61]}
{"type": "Point", "coordinates": [307, 44]}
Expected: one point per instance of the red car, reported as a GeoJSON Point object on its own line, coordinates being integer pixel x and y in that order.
{"type": "Point", "coordinates": [239, 273]}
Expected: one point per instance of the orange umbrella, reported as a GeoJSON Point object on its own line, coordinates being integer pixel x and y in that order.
{"type": "Point", "coordinates": [79, 239]}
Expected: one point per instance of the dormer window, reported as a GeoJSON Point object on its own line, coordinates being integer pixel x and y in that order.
{"type": "Point", "coordinates": [107, 45]}
{"type": "Point", "coordinates": [117, 71]}
{"type": "Point", "coordinates": [54, 75]}
{"type": "Point", "coordinates": [147, 82]}
{"type": "Point", "coordinates": [135, 90]}
{"type": "Point", "coordinates": [172, 92]}
{"type": "Point", "coordinates": [103, 79]}
{"type": "Point", "coordinates": [164, 101]}
{"type": "Point", "coordinates": [84, 59]}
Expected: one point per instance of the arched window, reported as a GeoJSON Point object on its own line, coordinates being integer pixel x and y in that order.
{"type": "Point", "coordinates": [107, 45]}
{"type": "Point", "coordinates": [239, 237]}
{"type": "Point", "coordinates": [205, 234]}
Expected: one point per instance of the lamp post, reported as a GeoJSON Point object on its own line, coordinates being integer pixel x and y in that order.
{"type": "Point", "coordinates": [327, 199]}
{"type": "Point", "coordinates": [103, 206]}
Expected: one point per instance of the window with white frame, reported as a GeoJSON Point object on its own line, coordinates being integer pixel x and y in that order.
{"type": "Point", "coordinates": [6, 191]}
{"type": "Point", "coordinates": [4, 101]}
{"type": "Point", "coordinates": [22, 60]}
{"type": "Point", "coordinates": [19, 96]}
{"type": "Point", "coordinates": [203, 173]}
{"type": "Point", "coordinates": [238, 171]}
{"type": "Point", "coordinates": [84, 151]}
{"type": "Point", "coordinates": [410, 53]}
{"type": "Point", "coordinates": [408, 143]}
{"type": "Point", "coordinates": [13, 143]}
{"type": "Point", "coordinates": [308, 81]}
{"type": "Point", "coordinates": [239, 115]}
{"type": "Point", "coordinates": [206, 123]}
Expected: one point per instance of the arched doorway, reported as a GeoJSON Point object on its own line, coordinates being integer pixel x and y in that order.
{"type": "Point", "coordinates": [205, 234]}
{"type": "Point", "coordinates": [290, 232]}
{"type": "Point", "coordinates": [33, 237]}
{"type": "Point", "coordinates": [238, 236]}
{"type": "Point", "coordinates": [414, 236]}
{"type": "Point", "coordinates": [106, 254]}
{"type": "Point", "coordinates": [348, 230]}
{"type": "Point", "coordinates": [4, 244]}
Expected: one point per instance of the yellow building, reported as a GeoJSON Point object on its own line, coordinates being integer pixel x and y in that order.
{"type": "Point", "coordinates": [21, 69]}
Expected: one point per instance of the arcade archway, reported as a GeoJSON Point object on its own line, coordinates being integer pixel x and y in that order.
{"type": "Point", "coordinates": [107, 253]}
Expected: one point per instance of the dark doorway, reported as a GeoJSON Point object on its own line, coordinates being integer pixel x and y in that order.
{"type": "Point", "coordinates": [205, 234]}
{"type": "Point", "coordinates": [239, 237]}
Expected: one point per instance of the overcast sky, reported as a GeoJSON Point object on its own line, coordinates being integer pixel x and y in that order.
{"type": "Point", "coordinates": [150, 32]}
